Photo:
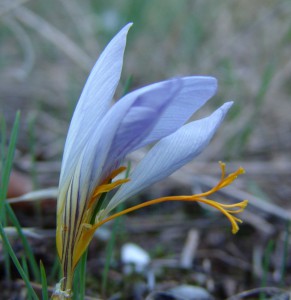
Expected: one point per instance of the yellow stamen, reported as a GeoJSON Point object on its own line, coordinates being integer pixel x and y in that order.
{"type": "Point", "coordinates": [107, 185]}
{"type": "Point", "coordinates": [113, 174]}
{"type": "Point", "coordinates": [86, 231]}
{"type": "Point", "coordinates": [104, 188]}
{"type": "Point", "coordinates": [227, 209]}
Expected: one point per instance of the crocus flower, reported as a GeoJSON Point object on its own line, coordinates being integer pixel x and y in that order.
{"type": "Point", "coordinates": [100, 136]}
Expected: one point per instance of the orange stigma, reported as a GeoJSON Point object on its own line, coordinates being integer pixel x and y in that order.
{"type": "Point", "coordinates": [227, 209]}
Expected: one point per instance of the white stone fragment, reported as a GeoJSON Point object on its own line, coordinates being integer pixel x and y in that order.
{"type": "Point", "coordinates": [134, 258]}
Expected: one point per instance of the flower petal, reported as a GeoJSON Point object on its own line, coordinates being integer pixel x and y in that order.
{"type": "Point", "coordinates": [133, 133]}
{"type": "Point", "coordinates": [118, 131]}
{"type": "Point", "coordinates": [170, 154]}
{"type": "Point", "coordinates": [95, 98]}
{"type": "Point", "coordinates": [195, 92]}
{"type": "Point", "coordinates": [150, 104]}
{"type": "Point", "coordinates": [113, 132]}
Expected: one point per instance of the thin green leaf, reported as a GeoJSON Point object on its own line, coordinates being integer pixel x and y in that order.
{"type": "Point", "coordinates": [7, 166]}
{"type": "Point", "coordinates": [27, 248]}
{"type": "Point", "coordinates": [44, 289]}
{"type": "Point", "coordinates": [56, 270]}
{"type": "Point", "coordinates": [285, 254]}
{"type": "Point", "coordinates": [266, 266]}
{"type": "Point", "coordinates": [109, 253]}
{"type": "Point", "coordinates": [25, 269]}
{"type": "Point", "coordinates": [3, 143]}
{"type": "Point", "coordinates": [22, 273]}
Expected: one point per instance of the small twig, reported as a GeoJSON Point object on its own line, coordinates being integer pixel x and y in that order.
{"type": "Point", "coordinates": [189, 249]}
{"type": "Point", "coordinates": [26, 45]}
{"type": "Point", "coordinates": [10, 5]}
{"type": "Point", "coordinates": [258, 222]}
{"type": "Point", "coordinates": [36, 195]}
{"type": "Point", "coordinates": [55, 36]}
{"type": "Point", "coordinates": [256, 168]}
{"type": "Point", "coordinates": [267, 291]}
{"type": "Point", "coordinates": [224, 257]}
{"type": "Point", "coordinates": [83, 25]}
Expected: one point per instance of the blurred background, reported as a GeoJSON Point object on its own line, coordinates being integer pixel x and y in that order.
{"type": "Point", "coordinates": [47, 49]}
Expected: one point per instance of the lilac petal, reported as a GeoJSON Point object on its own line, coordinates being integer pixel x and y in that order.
{"type": "Point", "coordinates": [137, 111]}
{"type": "Point", "coordinates": [143, 116]}
{"type": "Point", "coordinates": [170, 154]}
{"type": "Point", "coordinates": [195, 92]}
{"type": "Point", "coordinates": [95, 98]}
{"type": "Point", "coordinates": [192, 94]}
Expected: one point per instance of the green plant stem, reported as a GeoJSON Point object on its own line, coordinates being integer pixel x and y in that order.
{"type": "Point", "coordinates": [83, 268]}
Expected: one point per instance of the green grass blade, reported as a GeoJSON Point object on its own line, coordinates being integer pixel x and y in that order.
{"type": "Point", "coordinates": [43, 282]}
{"type": "Point", "coordinates": [109, 253]}
{"type": "Point", "coordinates": [266, 266]}
{"type": "Point", "coordinates": [7, 163]}
{"type": "Point", "coordinates": [32, 151]}
{"type": "Point", "coordinates": [3, 140]}
{"type": "Point", "coordinates": [25, 243]}
{"type": "Point", "coordinates": [25, 269]}
{"type": "Point", "coordinates": [4, 206]}
{"type": "Point", "coordinates": [2, 212]}
{"type": "Point", "coordinates": [6, 166]}
{"type": "Point", "coordinates": [285, 255]}
{"type": "Point", "coordinates": [236, 145]}
{"type": "Point", "coordinates": [56, 270]}
{"type": "Point", "coordinates": [24, 266]}
{"type": "Point", "coordinates": [22, 273]}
